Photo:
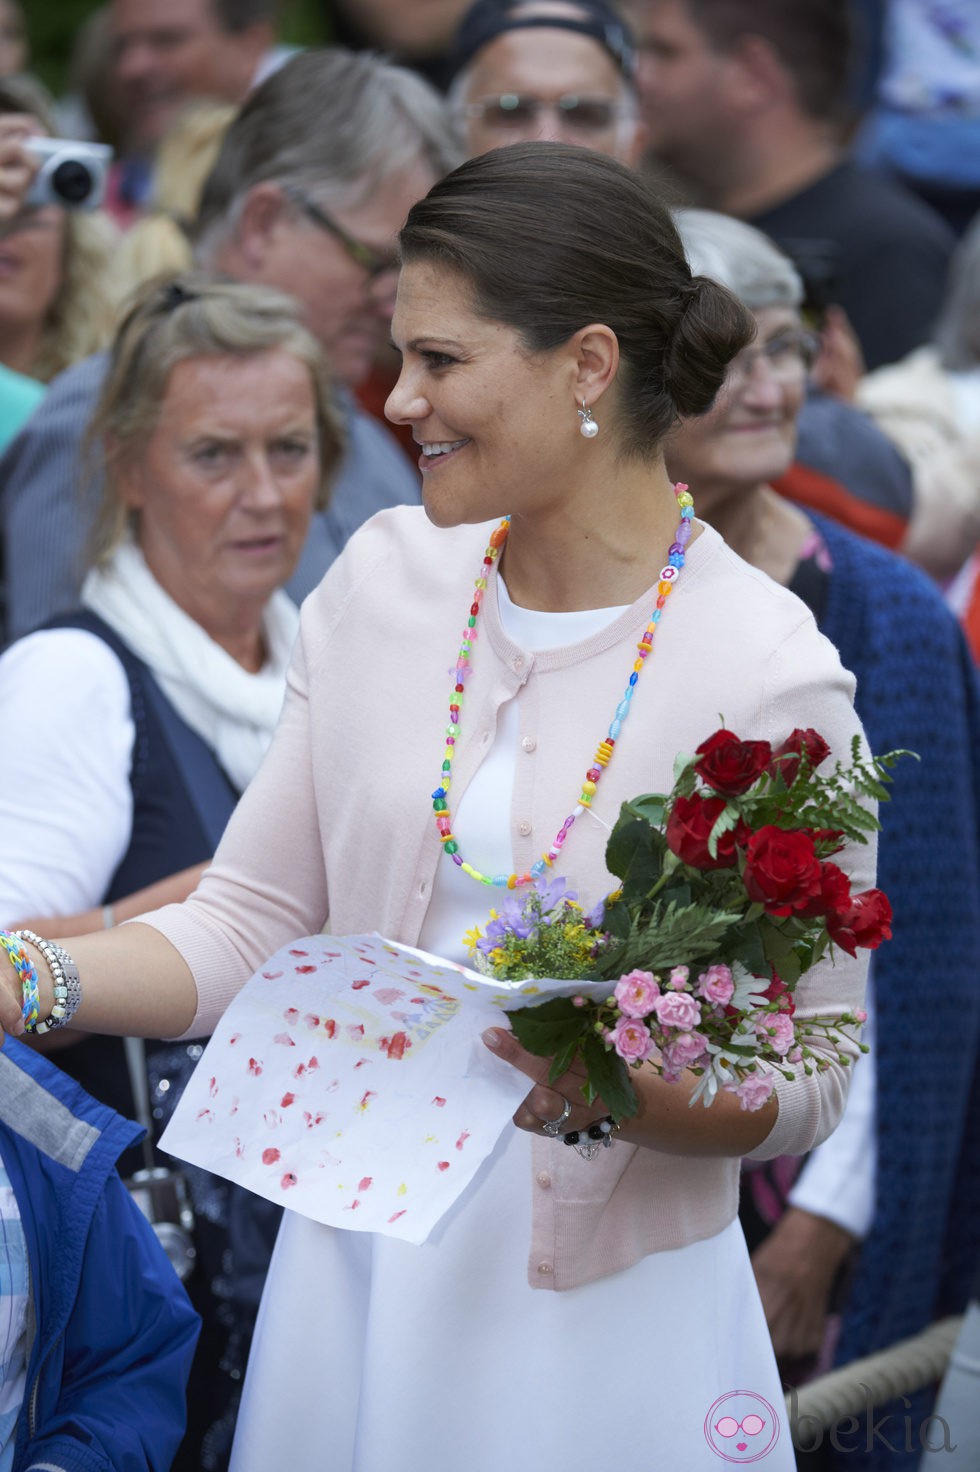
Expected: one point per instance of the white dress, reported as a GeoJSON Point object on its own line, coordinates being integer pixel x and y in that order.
{"type": "Point", "coordinates": [372, 1355]}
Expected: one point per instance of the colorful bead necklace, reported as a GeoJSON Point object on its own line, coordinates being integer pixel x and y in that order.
{"type": "Point", "coordinates": [603, 752]}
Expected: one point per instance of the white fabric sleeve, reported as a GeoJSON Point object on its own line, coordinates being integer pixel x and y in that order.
{"type": "Point", "coordinates": [839, 1178]}
{"type": "Point", "coordinates": [66, 743]}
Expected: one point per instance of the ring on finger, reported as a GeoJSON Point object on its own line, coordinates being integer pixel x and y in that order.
{"type": "Point", "coordinates": [556, 1127]}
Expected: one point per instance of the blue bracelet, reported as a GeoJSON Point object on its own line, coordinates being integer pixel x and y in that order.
{"type": "Point", "coordinates": [27, 972]}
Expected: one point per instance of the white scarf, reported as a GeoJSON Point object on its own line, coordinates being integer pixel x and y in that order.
{"type": "Point", "coordinates": [234, 711]}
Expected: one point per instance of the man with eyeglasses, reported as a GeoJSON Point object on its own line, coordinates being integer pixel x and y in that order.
{"type": "Point", "coordinates": [313, 182]}
{"type": "Point", "coordinates": [545, 69]}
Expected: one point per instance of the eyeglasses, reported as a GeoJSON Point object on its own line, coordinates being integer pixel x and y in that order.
{"type": "Point", "coordinates": [513, 112]}
{"type": "Point", "coordinates": [788, 356]}
{"type": "Point", "coordinates": [372, 261]}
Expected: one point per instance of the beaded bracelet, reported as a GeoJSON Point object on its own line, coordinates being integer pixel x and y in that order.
{"type": "Point", "coordinates": [590, 1141]}
{"type": "Point", "coordinates": [27, 973]}
{"type": "Point", "coordinates": [64, 980]}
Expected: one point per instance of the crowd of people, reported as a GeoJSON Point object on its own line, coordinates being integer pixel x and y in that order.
{"type": "Point", "coordinates": [327, 318]}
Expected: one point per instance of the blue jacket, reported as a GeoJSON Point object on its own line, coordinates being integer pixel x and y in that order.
{"type": "Point", "coordinates": [112, 1331]}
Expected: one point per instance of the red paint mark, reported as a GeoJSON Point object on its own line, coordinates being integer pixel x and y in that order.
{"type": "Point", "coordinates": [443, 1165]}
{"type": "Point", "coordinates": [239, 1147]}
{"type": "Point", "coordinates": [353, 1206]}
{"type": "Point", "coordinates": [418, 1001]}
{"type": "Point", "coordinates": [332, 955]}
{"type": "Point", "coordinates": [272, 975]}
{"type": "Point", "coordinates": [387, 995]}
{"type": "Point", "coordinates": [291, 1014]}
{"type": "Point", "coordinates": [366, 1183]}
{"type": "Point", "coordinates": [235, 1037]}
{"type": "Point", "coordinates": [272, 1119]}
{"type": "Point", "coordinates": [299, 953]}
{"type": "Point", "coordinates": [304, 970]}
{"type": "Point", "coordinates": [397, 1215]}
{"type": "Point", "coordinates": [288, 1180]}
{"type": "Point", "coordinates": [395, 1046]}
{"type": "Point", "coordinates": [311, 1020]}
{"type": "Point", "coordinates": [360, 1063]}
{"type": "Point", "coordinates": [313, 1064]}
{"type": "Point", "coordinates": [287, 1099]}
{"type": "Point", "coordinates": [270, 1155]}
{"type": "Point", "coordinates": [313, 1119]}
{"type": "Point", "coordinates": [285, 1039]}
{"type": "Point", "coordinates": [439, 1102]}
{"type": "Point", "coordinates": [355, 1030]}
{"type": "Point", "coordinates": [205, 1114]}
{"type": "Point", "coordinates": [357, 986]}
{"type": "Point", "coordinates": [462, 1139]}
{"type": "Point", "coordinates": [330, 1028]}
{"type": "Point", "coordinates": [366, 1098]}
{"type": "Point", "coordinates": [213, 1087]}
{"type": "Point", "coordinates": [254, 1067]}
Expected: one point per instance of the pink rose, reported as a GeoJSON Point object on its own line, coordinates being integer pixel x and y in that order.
{"type": "Point", "coordinates": [631, 1040]}
{"type": "Point", "coordinates": [716, 985]}
{"type": "Point", "coordinates": [677, 1009]}
{"type": "Point", "coordinates": [754, 1091]}
{"type": "Point", "coordinates": [777, 1029]}
{"type": "Point", "coordinates": [678, 978]}
{"type": "Point", "coordinates": [686, 1050]}
{"type": "Point", "coordinates": [636, 993]}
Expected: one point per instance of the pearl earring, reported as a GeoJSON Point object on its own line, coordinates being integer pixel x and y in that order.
{"type": "Point", "coordinates": [588, 429]}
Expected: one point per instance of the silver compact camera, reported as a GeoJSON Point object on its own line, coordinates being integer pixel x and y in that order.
{"type": "Point", "coordinates": [163, 1198]}
{"type": "Point", "coordinates": [72, 174]}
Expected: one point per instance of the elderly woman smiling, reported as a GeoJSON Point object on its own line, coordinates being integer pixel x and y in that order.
{"type": "Point", "coordinates": [167, 684]}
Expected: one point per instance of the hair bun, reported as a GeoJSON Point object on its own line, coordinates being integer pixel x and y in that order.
{"type": "Point", "coordinates": [712, 327]}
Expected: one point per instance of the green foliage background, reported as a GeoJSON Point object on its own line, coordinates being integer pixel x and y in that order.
{"type": "Point", "coordinates": [52, 24]}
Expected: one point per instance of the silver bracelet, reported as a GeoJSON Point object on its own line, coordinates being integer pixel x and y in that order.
{"type": "Point", "coordinates": [64, 978]}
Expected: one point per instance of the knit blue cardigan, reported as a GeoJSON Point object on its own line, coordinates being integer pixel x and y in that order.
{"type": "Point", "coordinates": [917, 688]}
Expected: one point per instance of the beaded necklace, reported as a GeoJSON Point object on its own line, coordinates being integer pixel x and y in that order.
{"type": "Point", "coordinates": [603, 752]}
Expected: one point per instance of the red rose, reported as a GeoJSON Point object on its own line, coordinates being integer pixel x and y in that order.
{"type": "Point", "coordinates": [729, 765]}
{"type": "Point", "coordinates": [688, 829]}
{"type": "Point", "coordinates": [865, 922]}
{"type": "Point", "coordinates": [786, 758]}
{"type": "Point", "coordinates": [834, 895]}
{"type": "Point", "coordinates": [782, 871]}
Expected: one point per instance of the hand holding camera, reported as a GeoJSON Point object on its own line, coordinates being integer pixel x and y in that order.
{"type": "Point", "coordinates": [37, 170]}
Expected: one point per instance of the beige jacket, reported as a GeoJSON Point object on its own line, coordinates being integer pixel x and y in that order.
{"type": "Point", "coordinates": [339, 818]}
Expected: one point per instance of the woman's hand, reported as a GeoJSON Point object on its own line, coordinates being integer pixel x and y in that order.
{"type": "Point", "coordinates": [795, 1270]}
{"type": "Point", "coordinates": [545, 1102]}
{"type": "Point", "coordinates": [17, 166]}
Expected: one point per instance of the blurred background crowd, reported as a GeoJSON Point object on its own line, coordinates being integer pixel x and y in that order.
{"type": "Point", "coordinates": [200, 361]}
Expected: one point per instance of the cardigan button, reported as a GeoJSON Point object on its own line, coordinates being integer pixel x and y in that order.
{"type": "Point", "coordinates": [543, 1179]}
{"type": "Point", "coordinates": [544, 1268]}
{"type": "Point", "coordinates": [528, 743]}
{"type": "Point", "coordinates": [524, 827]}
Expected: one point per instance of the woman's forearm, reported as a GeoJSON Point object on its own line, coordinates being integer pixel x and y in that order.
{"type": "Point", "coordinates": [133, 982]}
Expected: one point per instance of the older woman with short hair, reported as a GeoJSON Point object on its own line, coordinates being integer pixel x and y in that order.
{"type": "Point", "coordinates": [896, 1178]}
{"type": "Point", "coordinates": [220, 439]}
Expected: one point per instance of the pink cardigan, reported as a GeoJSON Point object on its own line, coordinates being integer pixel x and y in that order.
{"type": "Point", "coordinates": [338, 819]}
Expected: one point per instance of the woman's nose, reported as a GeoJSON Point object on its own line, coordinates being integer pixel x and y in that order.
{"type": "Point", "coordinates": [405, 404]}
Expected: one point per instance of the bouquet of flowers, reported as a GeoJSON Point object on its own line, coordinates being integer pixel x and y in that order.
{"type": "Point", "coordinates": [728, 895]}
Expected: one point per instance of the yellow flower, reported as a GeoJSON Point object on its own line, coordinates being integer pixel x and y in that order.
{"type": "Point", "coordinates": [472, 937]}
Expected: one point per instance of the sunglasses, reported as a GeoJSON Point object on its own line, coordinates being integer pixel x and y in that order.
{"type": "Point", "coordinates": [373, 262]}
{"type": "Point", "coordinates": [512, 111]}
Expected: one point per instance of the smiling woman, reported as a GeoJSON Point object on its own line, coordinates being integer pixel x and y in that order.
{"type": "Point", "coordinates": [544, 293]}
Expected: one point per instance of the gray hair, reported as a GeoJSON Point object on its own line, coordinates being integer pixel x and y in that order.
{"type": "Point", "coordinates": [740, 257]}
{"type": "Point", "coordinates": [957, 334]}
{"type": "Point", "coordinates": [334, 123]}
{"type": "Point", "coordinates": [193, 316]}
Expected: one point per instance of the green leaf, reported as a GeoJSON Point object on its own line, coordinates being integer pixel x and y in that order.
{"type": "Point", "coordinates": [749, 950]}
{"type": "Point", "coordinates": [610, 1078]}
{"type": "Point", "coordinates": [651, 808]}
{"type": "Point", "coordinates": [635, 854]}
{"type": "Point", "coordinates": [549, 1028]}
